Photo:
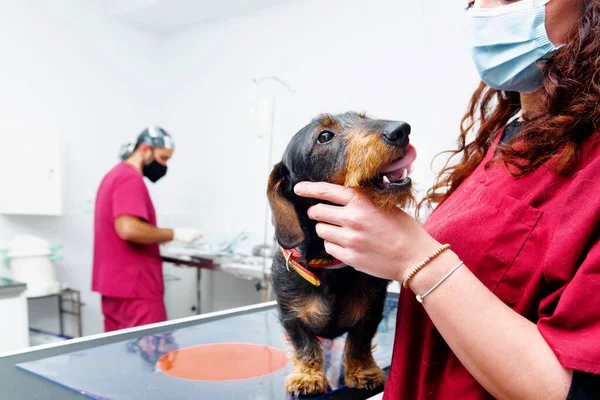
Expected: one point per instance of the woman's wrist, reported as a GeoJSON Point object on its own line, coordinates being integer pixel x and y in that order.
{"type": "Point", "coordinates": [440, 256]}
{"type": "Point", "coordinates": [423, 250]}
{"type": "Point", "coordinates": [433, 272]}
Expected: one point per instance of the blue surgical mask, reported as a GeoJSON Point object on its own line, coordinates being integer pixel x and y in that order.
{"type": "Point", "coordinates": [506, 43]}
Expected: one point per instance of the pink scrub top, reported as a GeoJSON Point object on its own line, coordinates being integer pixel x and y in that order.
{"type": "Point", "coordinates": [123, 269]}
{"type": "Point", "coordinates": [535, 243]}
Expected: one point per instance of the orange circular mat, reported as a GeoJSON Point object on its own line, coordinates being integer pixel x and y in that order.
{"type": "Point", "coordinates": [222, 362]}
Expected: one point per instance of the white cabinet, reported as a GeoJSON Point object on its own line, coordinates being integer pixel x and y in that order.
{"type": "Point", "coordinates": [180, 291]}
{"type": "Point", "coordinates": [31, 174]}
{"type": "Point", "coordinates": [14, 334]}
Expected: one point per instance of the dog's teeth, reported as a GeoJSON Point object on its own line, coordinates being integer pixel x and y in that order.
{"type": "Point", "coordinates": [404, 174]}
{"type": "Point", "coordinates": [386, 180]}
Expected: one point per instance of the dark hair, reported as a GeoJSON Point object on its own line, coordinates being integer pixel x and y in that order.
{"type": "Point", "coordinates": [571, 96]}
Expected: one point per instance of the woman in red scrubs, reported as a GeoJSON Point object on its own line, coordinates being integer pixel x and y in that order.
{"type": "Point", "coordinates": [519, 318]}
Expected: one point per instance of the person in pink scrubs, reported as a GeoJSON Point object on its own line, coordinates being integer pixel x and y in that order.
{"type": "Point", "coordinates": [512, 309]}
{"type": "Point", "coordinates": [127, 267]}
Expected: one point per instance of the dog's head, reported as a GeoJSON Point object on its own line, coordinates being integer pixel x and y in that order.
{"type": "Point", "coordinates": [371, 155]}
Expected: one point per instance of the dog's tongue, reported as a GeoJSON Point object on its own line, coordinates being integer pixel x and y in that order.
{"type": "Point", "coordinates": [402, 168]}
{"type": "Point", "coordinates": [404, 162]}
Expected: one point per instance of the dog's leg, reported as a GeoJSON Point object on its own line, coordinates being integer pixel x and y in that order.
{"type": "Point", "coordinates": [307, 376]}
{"type": "Point", "coordinates": [361, 371]}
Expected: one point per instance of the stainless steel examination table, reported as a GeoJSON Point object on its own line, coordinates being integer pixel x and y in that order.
{"type": "Point", "coordinates": [123, 365]}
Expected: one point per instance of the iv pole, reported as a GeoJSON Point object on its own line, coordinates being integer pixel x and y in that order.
{"type": "Point", "coordinates": [261, 249]}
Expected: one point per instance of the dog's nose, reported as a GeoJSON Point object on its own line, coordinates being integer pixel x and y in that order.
{"type": "Point", "coordinates": [396, 133]}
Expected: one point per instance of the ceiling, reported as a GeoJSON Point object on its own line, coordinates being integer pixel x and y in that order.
{"type": "Point", "coordinates": [166, 17]}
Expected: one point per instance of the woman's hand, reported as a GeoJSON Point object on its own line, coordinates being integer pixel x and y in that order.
{"type": "Point", "coordinates": [372, 240]}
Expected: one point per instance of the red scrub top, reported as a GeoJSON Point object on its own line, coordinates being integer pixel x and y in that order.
{"type": "Point", "coordinates": [534, 242]}
{"type": "Point", "coordinates": [123, 269]}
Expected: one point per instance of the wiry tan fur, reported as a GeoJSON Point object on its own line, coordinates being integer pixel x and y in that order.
{"type": "Point", "coordinates": [327, 121]}
{"type": "Point", "coordinates": [367, 154]}
{"type": "Point", "coordinates": [361, 372]}
{"type": "Point", "coordinates": [312, 311]}
{"type": "Point", "coordinates": [356, 311]}
{"type": "Point", "coordinates": [307, 376]}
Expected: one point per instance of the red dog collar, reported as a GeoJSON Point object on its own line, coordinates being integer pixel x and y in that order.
{"type": "Point", "coordinates": [294, 259]}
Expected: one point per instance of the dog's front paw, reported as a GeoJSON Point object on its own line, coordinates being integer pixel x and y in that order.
{"type": "Point", "coordinates": [307, 382]}
{"type": "Point", "coordinates": [368, 377]}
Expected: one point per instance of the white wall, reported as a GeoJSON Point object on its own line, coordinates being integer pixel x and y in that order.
{"type": "Point", "coordinates": [394, 59]}
{"type": "Point", "coordinates": [67, 68]}
{"type": "Point", "coordinates": [97, 81]}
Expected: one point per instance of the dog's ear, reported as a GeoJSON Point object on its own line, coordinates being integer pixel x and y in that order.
{"type": "Point", "coordinates": [285, 217]}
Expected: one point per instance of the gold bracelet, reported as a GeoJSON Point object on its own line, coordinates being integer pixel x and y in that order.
{"type": "Point", "coordinates": [416, 269]}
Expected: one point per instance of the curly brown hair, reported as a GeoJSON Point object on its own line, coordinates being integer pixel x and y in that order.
{"type": "Point", "coordinates": [571, 104]}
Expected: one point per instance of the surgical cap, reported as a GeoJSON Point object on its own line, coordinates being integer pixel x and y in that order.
{"type": "Point", "coordinates": [155, 136]}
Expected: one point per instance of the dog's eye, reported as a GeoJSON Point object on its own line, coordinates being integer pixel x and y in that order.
{"type": "Point", "coordinates": [325, 137]}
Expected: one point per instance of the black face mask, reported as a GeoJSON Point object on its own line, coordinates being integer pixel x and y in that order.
{"type": "Point", "coordinates": [154, 171]}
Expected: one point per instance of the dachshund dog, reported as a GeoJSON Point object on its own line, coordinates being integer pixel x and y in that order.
{"type": "Point", "coordinates": [318, 296]}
